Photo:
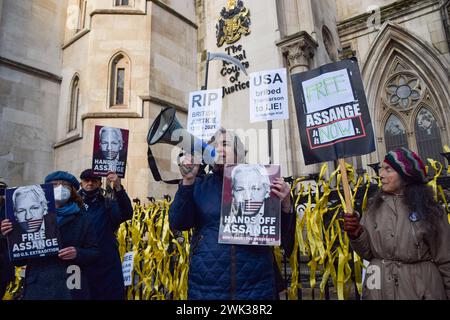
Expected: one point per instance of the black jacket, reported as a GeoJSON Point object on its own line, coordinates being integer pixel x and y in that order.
{"type": "Point", "coordinates": [222, 271]}
{"type": "Point", "coordinates": [105, 275]}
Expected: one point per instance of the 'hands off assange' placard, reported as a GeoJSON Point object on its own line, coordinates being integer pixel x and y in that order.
{"type": "Point", "coordinates": [110, 151]}
{"type": "Point", "coordinates": [268, 95]}
{"type": "Point", "coordinates": [332, 113]}
{"type": "Point", "coordinates": [205, 109]}
{"type": "Point", "coordinates": [250, 213]}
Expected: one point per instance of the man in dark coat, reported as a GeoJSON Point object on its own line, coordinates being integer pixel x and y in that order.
{"type": "Point", "coordinates": [6, 268]}
{"type": "Point", "coordinates": [106, 214]}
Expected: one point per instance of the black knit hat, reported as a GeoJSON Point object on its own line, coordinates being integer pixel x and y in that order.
{"type": "Point", "coordinates": [89, 174]}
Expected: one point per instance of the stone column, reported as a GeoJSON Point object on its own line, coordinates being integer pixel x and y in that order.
{"type": "Point", "coordinates": [299, 49]}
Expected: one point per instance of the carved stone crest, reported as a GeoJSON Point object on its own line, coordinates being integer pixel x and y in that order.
{"type": "Point", "coordinates": [234, 22]}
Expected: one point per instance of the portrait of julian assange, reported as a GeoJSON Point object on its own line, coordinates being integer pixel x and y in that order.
{"type": "Point", "coordinates": [110, 150]}
{"type": "Point", "coordinates": [252, 217]}
{"type": "Point", "coordinates": [31, 209]}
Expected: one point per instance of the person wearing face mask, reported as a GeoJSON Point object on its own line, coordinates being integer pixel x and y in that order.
{"type": "Point", "coordinates": [6, 267]}
{"type": "Point", "coordinates": [405, 235]}
{"type": "Point", "coordinates": [106, 211]}
{"type": "Point", "coordinates": [47, 278]}
{"type": "Point", "coordinates": [223, 271]}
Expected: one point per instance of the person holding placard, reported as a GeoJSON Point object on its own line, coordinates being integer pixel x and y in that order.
{"type": "Point", "coordinates": [106, 211]}
{"type": "Point", "coordinates": [225, 271]}
{"type": "Point", "coordinates": [404, 234]}
{"type": "Point", "coordinates": [49, 278]}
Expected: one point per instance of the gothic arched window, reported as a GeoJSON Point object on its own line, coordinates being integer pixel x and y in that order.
{"type": "Point", "coordinates": [411, 112]}
{"type": "Point", "coordinates": [82, 5]}
{"type": "Point", "coordinates": [395, 134]}
{"type": "Point", "coordinates": [428, 137]}
{"type": "Point", "coordinates": [329, 43]}
{"type": "Point", "coordinates": [119, 80]}
{"type": "Point", "coordinates": [74, 103]}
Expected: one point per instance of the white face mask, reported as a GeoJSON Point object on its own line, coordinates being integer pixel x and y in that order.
{"type": "Point", "coordinates": [62, 194]}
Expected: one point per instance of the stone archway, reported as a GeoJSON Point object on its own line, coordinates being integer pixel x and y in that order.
{"type": "Point", "coordinates": [394, 51]}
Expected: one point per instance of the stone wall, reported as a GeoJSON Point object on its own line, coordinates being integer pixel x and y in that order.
{"type": "Point", "coordinates": [30, 68]}
{"type": "Point", "coordinates": [417, 32]}
{"type": "Point", "coordinates": [44, 44]}
{"type": "Point", "coordinates": [163, 71]}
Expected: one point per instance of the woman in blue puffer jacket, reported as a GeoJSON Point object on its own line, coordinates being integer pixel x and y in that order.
{"type": "Point", "coordinates": [223, 271]}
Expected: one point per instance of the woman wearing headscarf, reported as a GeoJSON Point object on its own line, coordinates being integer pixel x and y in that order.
{"type": "Point", "coordinates": [404, 234]}
{"type": "Point", "coordinates": [61, 277]}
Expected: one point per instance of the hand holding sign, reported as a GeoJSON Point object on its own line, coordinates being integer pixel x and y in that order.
{"type": "Point", "coordinates": [281, 189]}
{"type": "Point", "coordinates": [114, 179]}
{"type": "Point", "coordinates": [6, 227]}
{"type": "Point", "coordinates": [352, 226]}
{"type": "Point", "coordinates": [69, 253]}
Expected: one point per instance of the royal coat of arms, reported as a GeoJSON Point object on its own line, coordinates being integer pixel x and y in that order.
{"type": "Point", "coordinates": [234, 22]}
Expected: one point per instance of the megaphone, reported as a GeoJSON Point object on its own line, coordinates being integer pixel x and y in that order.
{"type": "Point", "coordinates": [167, 129]}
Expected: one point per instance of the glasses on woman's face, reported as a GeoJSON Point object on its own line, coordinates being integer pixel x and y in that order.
{"type": "Point", "coordinates": [56, 183]}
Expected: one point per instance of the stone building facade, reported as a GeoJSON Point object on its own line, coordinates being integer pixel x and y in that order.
{"type": "Point", "coordinates": [66, 66]}
{"type": "Point", "coordinates": [154, 43]}
{"type": "Point", "coordinates": [30, 83]}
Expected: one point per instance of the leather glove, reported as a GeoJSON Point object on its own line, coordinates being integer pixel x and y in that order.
{"type": "Point", "coordinates": [352, 226]}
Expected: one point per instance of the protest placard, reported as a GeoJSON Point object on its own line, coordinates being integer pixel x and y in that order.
{"type": "Point", "coordinates": [268, 95]}
{"type": "Point", "coordinates": [204, 116]}
{"type": "Point", "coordinates": [31, 209]}
{"type": "Point", "coordinates": [250, 214]}
{"type": "Point", "coordinates": [127, 267]}
{"type": "Point", "coordinates": [110, 151]}
{"type": "Point", "coordinates": [332, 113]}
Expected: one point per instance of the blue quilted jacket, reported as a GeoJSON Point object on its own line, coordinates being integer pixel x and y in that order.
{"type": "Point", "coordinates": [223, 271]}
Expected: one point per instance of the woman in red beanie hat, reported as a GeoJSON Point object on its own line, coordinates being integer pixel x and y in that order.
{"type": "Point", "coordinates": [404, 234]}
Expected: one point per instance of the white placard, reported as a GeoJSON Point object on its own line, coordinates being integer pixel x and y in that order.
{"type": "Point", "coordinates": [127, 267]}
{"type": "Point", "coordinates": [268, 95]}
{"type": "Point", "coordinates": [327, 90]}
{"type": "Point", "coordinates": [205, 110]}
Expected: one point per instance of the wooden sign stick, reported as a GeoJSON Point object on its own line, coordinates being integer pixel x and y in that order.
{"type": "Point", "coordinates": [347, 195]}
